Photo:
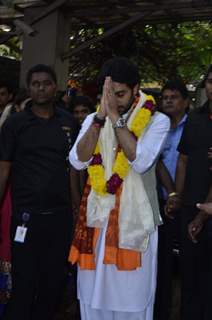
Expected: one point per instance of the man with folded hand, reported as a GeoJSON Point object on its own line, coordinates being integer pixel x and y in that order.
{"type": "Point", "coordinates": [115, 242]}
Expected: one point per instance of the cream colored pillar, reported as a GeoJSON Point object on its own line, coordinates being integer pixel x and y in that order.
{"type": "Point", "coordinates": [47, 46]}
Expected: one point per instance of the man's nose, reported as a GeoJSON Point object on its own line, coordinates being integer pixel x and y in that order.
{"type": "Point", "coordinates": [168, 100]}
{"type": "Point", "coordinates": [41, 86]}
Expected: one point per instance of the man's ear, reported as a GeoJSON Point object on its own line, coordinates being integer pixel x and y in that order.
{"type": "Point", "coordinates": [135, 89]}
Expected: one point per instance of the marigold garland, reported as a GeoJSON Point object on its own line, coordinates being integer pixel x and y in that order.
{"type": "Point", "coordinates": [121, 165]}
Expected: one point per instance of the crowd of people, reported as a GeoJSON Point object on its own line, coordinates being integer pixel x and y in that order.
{"type": "Point", "coordinates": [107, 188]}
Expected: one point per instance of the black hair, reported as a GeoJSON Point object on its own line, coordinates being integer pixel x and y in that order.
{"type": "Point", "coordinates": [206, 76]}
{"type": "Point", "coordinates": [176, 85]}
{"type": "Point", "coordinates": [83, 100]}
{"type": "Point", "coordinates": [41, 68]}
{"type": "Point", "coordinates": [8, 85]}
{"type": "Point", "coordinates": [121, 70]}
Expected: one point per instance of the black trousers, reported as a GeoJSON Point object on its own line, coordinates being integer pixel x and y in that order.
{"type": "Point", "coordinates": [39, 266]}
{"type": "Point", "coordinates": [196, 270]}
{"type": "Point", "coordinates": [166, 234]}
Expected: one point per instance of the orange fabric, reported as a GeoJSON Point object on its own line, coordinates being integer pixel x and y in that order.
{"type": "Point", "coordinates": [124, 259]}
{"type": "Point", "coordinates": [85, 238]}
{"type": "Point", "coordinates": [86, 261]}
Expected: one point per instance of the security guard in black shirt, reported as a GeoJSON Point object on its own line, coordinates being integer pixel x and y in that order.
{"type": "Point", "coordinates": [34, 146]}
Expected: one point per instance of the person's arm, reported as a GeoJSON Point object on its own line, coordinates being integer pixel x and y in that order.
{"type": "Point", "coordinates": [205, 207]}
{"type": "Point", "coordinates": [4, 174]}
{"type": "Point", "coordinates": [151, 144]}
{"type": "Point", "coordinates": [164, 176]}
{"type": "Point", "coordinates": [73, 155]}
{"type": "Point", "coordinates": [181, 173]}
{"type": "Point", "coordinates": [196, 225]}
{"type": "Point", "coordinates": [127, 141]}
{"type": "Point", "coordinates": [87, 144]}
{"type": "Point", "coordinates": [168, 183]}
{"type": "Point", "coordinates": [174, 202]}
{"type": "Point", "coordinates": [108, 107]}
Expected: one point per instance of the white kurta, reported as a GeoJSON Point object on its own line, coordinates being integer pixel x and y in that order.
{"type": "Point", "coordinates": [106, 293]}
{"type": "Point", "coordinates": [126, 291]}
{"type": "Point", "coordinates": [111, 293]}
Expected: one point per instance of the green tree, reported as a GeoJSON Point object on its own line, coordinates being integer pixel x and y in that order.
{"type": "Point", "coordinates": [162, 51]}
{"type": "Point", "coordinates": [11, 49]}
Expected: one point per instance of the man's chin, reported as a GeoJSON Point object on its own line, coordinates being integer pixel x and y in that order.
{"type": "Point", "coordinates": [121, 110]}
{"type": "Point", "coordinates": [42, 102]}
{"type": "Point", "coordinates": [168, 110]}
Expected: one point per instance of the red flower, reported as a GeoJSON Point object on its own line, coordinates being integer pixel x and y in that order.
{"type": "Point", "coordinates": [113, 183]}
{"type": "Point", "coordinates": [97, 159]}
{"type": "Point", "coordinates": [150, 106]}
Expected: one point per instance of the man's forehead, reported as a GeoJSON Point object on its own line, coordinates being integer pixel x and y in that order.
{"type": "Point", "coordinates": [41, 76]}
{"type": "Point", "coordinates": [80, 107]}
{"type": "Point", "coordinates": [4, 89]}
{"type": "Point", "coordinates": [117, 86]}
{"type": "Point", "coordinates": [171, 92]}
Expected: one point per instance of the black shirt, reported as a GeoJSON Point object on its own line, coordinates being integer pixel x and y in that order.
{"type": "Point", "coordinates": [38, 149]}
{"type": "Point", "coordinates": [195, 143]}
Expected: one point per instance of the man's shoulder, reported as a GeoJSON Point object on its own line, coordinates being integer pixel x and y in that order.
{"type": "Point", "coordinates": [196, 114]}
{"type": "Point", "coordinates": [88, 120]}
{"type": "Point", "coordinates": [159, 121]}
{"type": "Point", "coordinates": [16, 119]}
{"type": "Point", "coordinates": [65, 115]}
{"type": "Point", "coordinates": [159, 116]}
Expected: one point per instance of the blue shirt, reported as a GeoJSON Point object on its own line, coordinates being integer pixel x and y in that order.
{"type": "Point", "coordinates": [170, 153]}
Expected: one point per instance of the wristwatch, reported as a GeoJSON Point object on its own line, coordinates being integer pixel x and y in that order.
{"type": "Point", "coordinates": [120, 123]}
{"type": "Point", "coordinates": [99, 121]}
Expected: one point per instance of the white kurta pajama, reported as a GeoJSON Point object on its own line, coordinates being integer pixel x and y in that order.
{"type": "Point", "coordinates": [107, 293]}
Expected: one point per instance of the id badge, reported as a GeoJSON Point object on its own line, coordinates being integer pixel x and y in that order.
{"type": "Point", "coordinates": [20, 234]}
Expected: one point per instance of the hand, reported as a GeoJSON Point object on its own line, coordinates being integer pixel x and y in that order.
{"type": "Point", "coordinates": [102, 112]}
{"type": "Point", "coordinates": [195, 226]}
{"type": "Point", "coordinates": [206, 207]}
{"type": "Point", "coordinates": [111, 102]}
{"type": "Point", "coordinates": [173, 205]}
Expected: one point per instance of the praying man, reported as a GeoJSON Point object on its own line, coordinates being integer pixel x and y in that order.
{"type": "Point", "coordinates": [115, 241]}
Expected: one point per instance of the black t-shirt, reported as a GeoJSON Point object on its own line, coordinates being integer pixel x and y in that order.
{"type": "Point", "coordinates": [38, 149]}
{"type": "Point", "coordinates": [195, 143]}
